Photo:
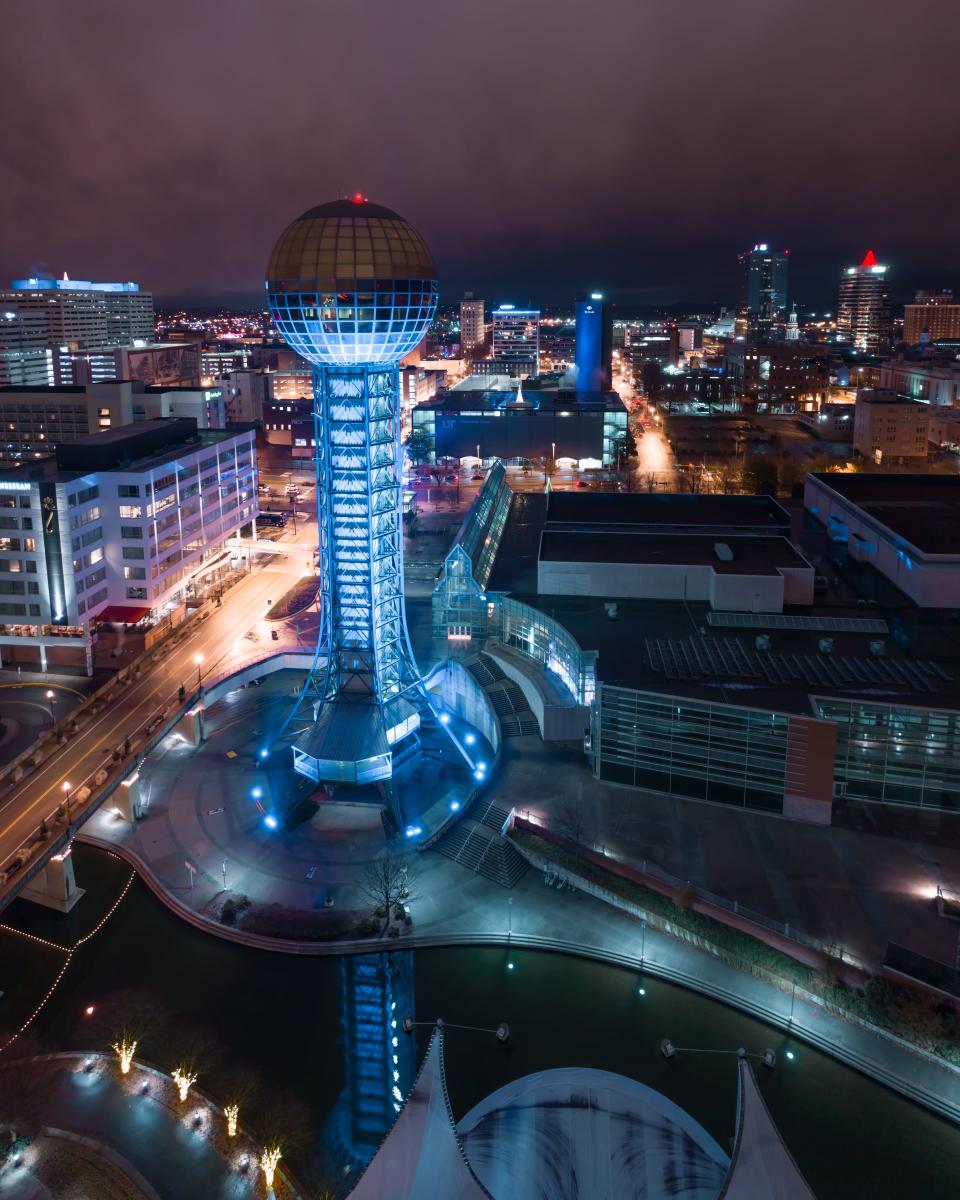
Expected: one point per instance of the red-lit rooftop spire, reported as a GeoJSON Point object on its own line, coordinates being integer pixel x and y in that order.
{"type": "Point", "coordinates": [869, 259]}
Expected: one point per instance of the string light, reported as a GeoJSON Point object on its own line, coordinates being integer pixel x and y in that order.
{"type": "Point", "coordinates": [184, 1079]}
{"type": "Point", "coordinates": [268, 1164]}
{"type": "Point", "coordinates": [232, 1113]}
{"type": "Point", "coordinates": [69, 956]}
{"type": "Point", "coordinates": [125, 1051]}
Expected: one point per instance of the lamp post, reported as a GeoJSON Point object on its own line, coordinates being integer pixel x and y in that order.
{"type": "Point", "coordinates": [66, 787]}
{"type": "Point", "coordinates": [198, 659]}
{"type": "Point", "coordinates": [509, 917]}
{"type": "Point", "coordinates": [51, 695]}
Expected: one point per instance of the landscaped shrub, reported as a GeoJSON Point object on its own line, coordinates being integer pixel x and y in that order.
{"type": "Point", "coordinates": [908, 1013]}
{"type": "Point", "coordinates": [232, 907]}
{"type": "Point", "coordinates": [299, 597]}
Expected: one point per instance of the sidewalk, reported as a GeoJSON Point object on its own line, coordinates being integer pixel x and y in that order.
{"type": "Point", "coordinates": [452, 906]}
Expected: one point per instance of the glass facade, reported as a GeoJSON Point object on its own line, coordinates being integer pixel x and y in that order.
{"type": "Point", "coordinates": [690, 748]}
{"type": "Point", "coordinates": [893, 754]}
{"type": "Point", "coordinates": [548, 643]}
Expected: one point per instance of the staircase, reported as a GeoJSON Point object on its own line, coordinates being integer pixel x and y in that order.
{"type": "Point", "coordinates": [478, 846]}
{"type": "Point", "coordinates": [509, 702]}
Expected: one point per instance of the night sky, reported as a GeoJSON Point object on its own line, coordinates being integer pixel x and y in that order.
{"type": "Point", "coordinates": [540, 147]}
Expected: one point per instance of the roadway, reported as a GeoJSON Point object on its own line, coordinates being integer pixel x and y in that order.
{"type": "Point", "coordinates": [230, 635]}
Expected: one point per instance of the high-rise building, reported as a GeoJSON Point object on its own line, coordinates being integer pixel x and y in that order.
{"type": "Point", "coordinates": [863, 310]}
{"type": "Point", "coordinates": [473, 330]}
{"type": "Point", "coordinates": [932, 317]}
{"type": "Point", "coordinates": [762, 301]}
{"type": "Point", "coordinates": [353, 288]}
{"type": "Point", "coordinates": [516, 339]}
{"type": "Point", "coordinates": [594, 344]}
{"type": "Point", "coordinates": [81, 313]}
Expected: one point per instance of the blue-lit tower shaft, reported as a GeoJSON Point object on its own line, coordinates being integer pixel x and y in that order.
{"type": "Point", "coordinates": [357, 429]}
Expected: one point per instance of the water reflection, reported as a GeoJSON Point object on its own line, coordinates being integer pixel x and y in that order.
{"type": "Point", "coordinates": [379, 1059]}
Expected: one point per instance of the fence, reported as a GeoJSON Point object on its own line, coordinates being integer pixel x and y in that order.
{"type": "Point", "coordinates": [673, 884]}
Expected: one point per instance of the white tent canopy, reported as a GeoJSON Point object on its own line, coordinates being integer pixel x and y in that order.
{"type": "Point", "coordinates": [762, 1165]}
{"type": "Point", "coordinates": [421, 1157]}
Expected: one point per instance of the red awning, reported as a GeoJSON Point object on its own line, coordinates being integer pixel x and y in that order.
{"type": "Point", "coordinates": [120, 614]}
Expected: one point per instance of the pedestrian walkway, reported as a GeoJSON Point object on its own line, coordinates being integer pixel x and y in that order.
{"type": "Point", "coordinates": [175, 1148]}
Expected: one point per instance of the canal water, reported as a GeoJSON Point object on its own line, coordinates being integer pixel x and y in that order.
{"type": "Point", "coordinates": [316, 1034]}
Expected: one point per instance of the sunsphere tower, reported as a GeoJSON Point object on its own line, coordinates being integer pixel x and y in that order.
{"type": "Point", "coordinates": [353, 288]}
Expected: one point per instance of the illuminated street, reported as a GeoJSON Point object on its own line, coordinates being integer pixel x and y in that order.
{"type": "Point", "coordinates": [230, 635]}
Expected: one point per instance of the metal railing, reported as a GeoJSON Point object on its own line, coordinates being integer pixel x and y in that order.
{"type": "Point", "coordinates": [652, 870]}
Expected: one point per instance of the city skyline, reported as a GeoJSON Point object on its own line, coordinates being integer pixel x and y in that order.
{"type": "Point", "coordinates": [652, 166]}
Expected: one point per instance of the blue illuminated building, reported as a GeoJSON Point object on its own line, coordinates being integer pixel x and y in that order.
{"type": "Point", "coordinates": [352, 287]}
{"type": "Point", "coordinates": [70, 285]}
{"type": "Point", "coordinates": [594, 344]}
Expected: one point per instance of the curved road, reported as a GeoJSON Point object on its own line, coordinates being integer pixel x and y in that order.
{"type": "Point", "coordinates": [224, 639]}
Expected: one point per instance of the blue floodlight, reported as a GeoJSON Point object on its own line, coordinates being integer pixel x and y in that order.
{"type": "Point", "coordinates": [479, 776]}
{"type": "Point", "coordinates": [264, 753]}
{"type": "Point", "coordinates": [470, 739]}
{"type": "Point", "coordinates": [444, 718]}
{"type": "Point", "coordinates": [270, 821]}
{"type": "Point", "coordinates": [413, 831]}
{"type": "Point", "coordinates": [790, 1055]}
{"type": "Point", "coordinates": [454, 805]}
{"type": "Point", "coordinates": [481, 766]}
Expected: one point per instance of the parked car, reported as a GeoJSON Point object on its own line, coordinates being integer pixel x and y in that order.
{"type": "Point", "coordinates": [582, 483]}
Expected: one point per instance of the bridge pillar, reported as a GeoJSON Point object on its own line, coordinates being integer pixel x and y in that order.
{"type": "Point", "coordinates": [55, 886]}
{"type": "Point", "coordinates": [192, 726]}
{"type": "Point", "coordinates": [128, 798]}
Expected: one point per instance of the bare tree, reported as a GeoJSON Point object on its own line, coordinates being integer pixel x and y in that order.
{"type": "Point", "coordinates": [386, 883]}
{"type": "Point", "coordinates": [570, 819]}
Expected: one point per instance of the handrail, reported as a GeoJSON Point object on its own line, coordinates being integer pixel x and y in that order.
{"type": "Point", "coordinates": [904, 1084]}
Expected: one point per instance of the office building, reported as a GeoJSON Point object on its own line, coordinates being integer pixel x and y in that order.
{"type": "Point", "coordinates": [932, 317]}
{"type": "Point", "coordinates": [81, 313]}
{"type": "Point", "coordinates": [762, 302]}
{"type": "Point", "coordinates": [863, 308]}
{"type": "Point", "coordinates": [890, 428]}
{"type": "Point", "coordinates": [158, 363]}
{"type": "Point", "coordinates": [516, 340]}
{"type": "Point", "coordinates": [26, 356]}
{"type": "Point", "coordinates": [786, 712]}
{"type": "Point", "coordinates": [934, 380]}
{"type": "Point", "coordinates": [594, 343]}
{"type": "Point", "coordinates": [113, 529]}
{"type": "Point", "coordinates": [530, 422]}
{"type": "Point", "coordinates": [34, 421]}
{"type": "Point", "coordinates": [473, 329]}
{"type": "Point", "coordinates": [777, 376]}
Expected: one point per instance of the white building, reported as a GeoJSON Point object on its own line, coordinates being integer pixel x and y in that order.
{"type": "Point", "coordinates": [937, 382]}
{"type": "Point", "coordinates": [890, 428]}
{"type": "Point", "coordinates": [33, 421]}
{"type": "Point", "coordinates": [473, 330]}
{"type": "Point", "coordinates": [113, 529]}
{"type": "Point", "coordinates": [84, 313]}
{"type": "Point", "coordinates": [904, 525]}
{"type": "Point", "coordinates": [516, 339]}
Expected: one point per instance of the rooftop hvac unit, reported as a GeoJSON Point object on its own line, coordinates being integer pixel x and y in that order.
{"type": "Point", "coordinates": [611, 610]}
{"type": "Point", "coordinates": [762, 641]}
{"type": "Point", "coordinates": [723, 551]}
{"type": "Point", "coordinates": [826, 645]}
{"type": "Point", "coordinates": [878, 648]}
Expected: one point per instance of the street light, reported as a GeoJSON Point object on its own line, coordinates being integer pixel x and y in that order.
{"type": "Point", "coordinates": [198, 659]}
{"type": "Point", "coordinates": [51, 696]}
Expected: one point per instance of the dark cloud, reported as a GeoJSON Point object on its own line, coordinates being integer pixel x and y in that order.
{"type": "Point", "coordinates": [540, 147]}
